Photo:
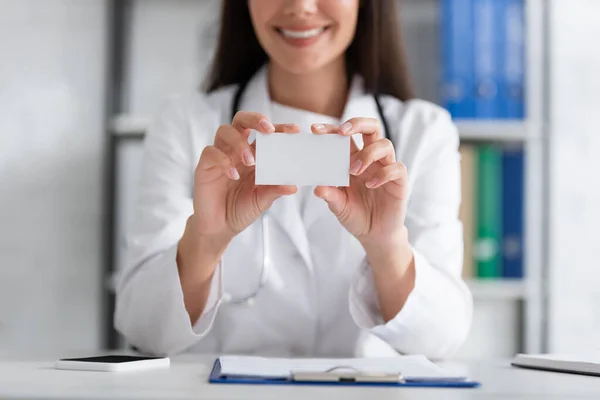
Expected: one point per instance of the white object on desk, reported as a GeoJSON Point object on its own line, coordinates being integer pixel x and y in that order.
{"type": "Point", "coordinates": [113, 363]}
{"type": "Point", "coordinates": [559, 363]}
{"type": "Point", "coordinates": [302, 159]}
{"type": "Point", "coordinates": [413, 368]}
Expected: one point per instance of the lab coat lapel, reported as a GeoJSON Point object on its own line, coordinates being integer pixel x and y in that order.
{"type": "Point", "coordinates": [285, 210]}
{"type": "Point", "coordinates": [360, 104]}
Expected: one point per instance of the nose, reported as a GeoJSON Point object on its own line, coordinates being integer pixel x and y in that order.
{"type": "Point", "coordinates": [300, 8]}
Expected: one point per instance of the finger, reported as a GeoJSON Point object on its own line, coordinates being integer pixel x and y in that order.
{"type": "Point", "coordinates": [334, 197]}
{"type": "Point", "coordinates": [213, 158]}
{"type": "Point", "coordinates": [322, 129]}
{"type": "Point", "coordinates": [287, 128]}
{"type": "Point", "coordinates": [235, 145]}
{"type": "Point", "coordinates": [394, 173]}
{"type": "Point", "coordinates": [266, 195]}
{"type": "Point", "coordinates": [382, 151]}
{"type": "Point", "coordinates": [244, 121]}
{"type": "Point", "coordinates": [370, 128]}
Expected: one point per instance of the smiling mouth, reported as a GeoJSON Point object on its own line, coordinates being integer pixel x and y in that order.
{"type": "Point", "coordinates": [301, 34]}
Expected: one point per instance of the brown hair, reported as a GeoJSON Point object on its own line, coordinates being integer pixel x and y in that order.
{"type": "Point", "coordinates": [376, 53]}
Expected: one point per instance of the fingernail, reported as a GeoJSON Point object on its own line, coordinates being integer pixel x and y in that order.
{"type": "Point", "coordinates": [355, 167]}
{"type": "Point", "coordinates": [248, 158]}
{"type": "Point", "coordinates": [319, 127]}
{"type": "Point", "coordinates": [346, 127]}
{"type": "Point", "coordinates": [372, 183]}
{"type": "Point", "coordinates": [267, 126]}
{"type": "Point", "coordinates": [234, 173]}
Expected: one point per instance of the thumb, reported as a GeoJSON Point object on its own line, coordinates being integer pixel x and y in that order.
{"type": "Point", "coordinates": [266, 195]}
{"type": "Point", "coordinates": [334, 197]}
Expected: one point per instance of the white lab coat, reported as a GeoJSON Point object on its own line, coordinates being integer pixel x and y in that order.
{"type": "Point", "coordinates": [319, 298]}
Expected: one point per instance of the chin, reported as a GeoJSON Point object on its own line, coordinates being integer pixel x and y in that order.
{"type": "Point", "coordinates": [301, 66]}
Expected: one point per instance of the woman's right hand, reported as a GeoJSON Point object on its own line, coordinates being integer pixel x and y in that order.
{"type": "Point", "coordinates": [226, 200]}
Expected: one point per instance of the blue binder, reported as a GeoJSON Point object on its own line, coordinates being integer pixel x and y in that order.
{"type": "Point", "coordinates": [513, 87]}
{"type": "Point", "coordinates": [217, 378]}
{"type": "Point", "coordinates": [488, 40]}
{"type": "Point", "coordinates": [512, 213]}
{"type": "Point", "coordinates": [457, 58]}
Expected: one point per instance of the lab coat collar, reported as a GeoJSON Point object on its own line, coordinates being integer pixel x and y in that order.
{"type": "Point", "coordinates": [285, 210]}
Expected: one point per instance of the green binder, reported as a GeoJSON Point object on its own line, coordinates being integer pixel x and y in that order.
{"type": "Point", "coordinates": [489, 212]}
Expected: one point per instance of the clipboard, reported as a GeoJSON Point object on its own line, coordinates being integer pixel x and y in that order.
{"type": "Point", "coordinates": [339, 376]}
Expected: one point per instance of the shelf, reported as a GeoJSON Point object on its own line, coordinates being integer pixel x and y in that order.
{"type": "Point", "coordinates": [129, 125]}
{"type": "Point", "coordinates": [496, 130]}
{"type": "Point", "coordinates": [481, 289]}
{"type": "Point", "coordinates": [508, 131]}
{"type": "Point", "coordinates": [497, 289]}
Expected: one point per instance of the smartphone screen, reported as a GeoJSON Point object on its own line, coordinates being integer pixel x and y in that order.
{"type": "Point", "coordinates": [112, 359]}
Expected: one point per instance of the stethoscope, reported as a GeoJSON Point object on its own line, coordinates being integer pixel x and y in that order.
{"type": "Point", "coordinates": [249, 299]}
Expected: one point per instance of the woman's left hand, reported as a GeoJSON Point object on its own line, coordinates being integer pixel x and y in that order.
{"type": "Point", "coordinates": [373, 207]}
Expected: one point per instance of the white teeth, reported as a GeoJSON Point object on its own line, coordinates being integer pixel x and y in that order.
{"type": "Point", "coordinates": [302, 34]}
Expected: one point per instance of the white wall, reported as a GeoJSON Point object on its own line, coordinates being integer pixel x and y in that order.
{"type": "Point", "coordinates": [575, 176]}
{"type": "Point", "coordinates": [171, 47]}
{"type": "Point", "coordinates": [51, 146]}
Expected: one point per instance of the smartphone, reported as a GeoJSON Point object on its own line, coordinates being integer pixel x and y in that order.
{"type": "Point", "coordinates": [113, 363]}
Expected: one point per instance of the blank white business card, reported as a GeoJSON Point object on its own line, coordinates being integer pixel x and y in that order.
{"type": "Point", "coordinates": [302, 159]}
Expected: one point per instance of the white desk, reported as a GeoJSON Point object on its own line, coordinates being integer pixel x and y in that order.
{"type": "Point", "coordinates": [187, 379]}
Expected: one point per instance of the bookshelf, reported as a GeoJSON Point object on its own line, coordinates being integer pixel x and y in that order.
{"type": "Point", "coordinates": [498, 131]}
{"type": "Point", "coordinates": [527, 297]}
{"type": "Point", "coordinates": [513, 290]}
{"type": "Point", "coordinates": [126, 124]}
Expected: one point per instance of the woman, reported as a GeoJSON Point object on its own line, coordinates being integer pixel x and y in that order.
{"type": "Point", "coordinates": [220, 265]}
